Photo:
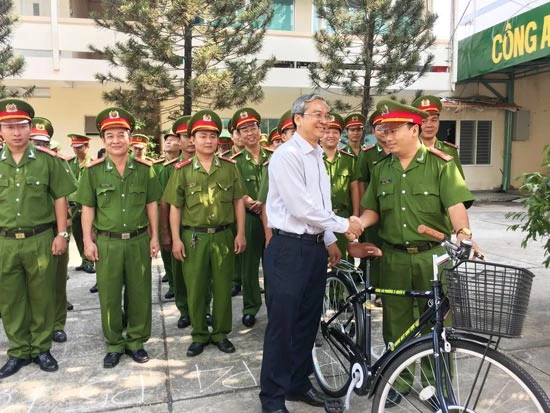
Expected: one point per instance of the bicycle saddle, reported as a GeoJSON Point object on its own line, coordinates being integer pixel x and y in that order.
{"type": "Point", "coordinates": [363, 250]}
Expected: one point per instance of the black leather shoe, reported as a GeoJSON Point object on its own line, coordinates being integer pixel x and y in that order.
{"type": "Point", "coordinates": [195, 349]}
{"type": "Point", "coordinates": [89, 268]}
{"type": "Point", "coordinates": [169, 294]}
{"type": "Point", "coordinates": [139, 356]}
{"type": "Point", "coordinates": [209, 319]}
{"type": "Point", "coordinates": [249, 320]}
{"type": "Point", "coordinates": [235, 290]}
{"type": "Point", "coordinates": [165, 278]}
{"type": "Point", "coordinates": [312, 397]}
{"type": "Point", "coordinates": [94, 289]}
{"type": "Point", "coordinates": [59, 336]}
{"type": "Point", "coordinates": [111, 360]}
{"type": "Point", "coordinates": [184, 321]}
{"type": "Point", "coordinates": [394, 398]}
{"type": "Point", "coordinates": [283, 410]}
{"type": "Point", "coordinates": [79, 268]}
{"type": "Point", "coordinates": [12, 366]}
{"type": "Point", "coordinates": [46, 361]}
{"type": "Point", "coordinates": [225, 345]}
{"type": "Point", "coordinates": [70, 307]}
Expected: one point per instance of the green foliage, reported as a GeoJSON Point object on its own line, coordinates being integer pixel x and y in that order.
{"type": "Point", "coordinates": [192, 54]}
{"type": "Point", "coordinates": [10, 65]}
{"type": "Point", "coordinates": [535, 221]}
{"type": "Point", "coordinates": [370, 46]}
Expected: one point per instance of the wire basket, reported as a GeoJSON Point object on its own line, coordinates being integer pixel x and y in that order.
{"type": "Point", "coordinates": [489, 298]}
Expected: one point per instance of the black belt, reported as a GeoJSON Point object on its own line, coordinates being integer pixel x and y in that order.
{"type": "Point", "coordinates": [317, 238]}
{"type": "Point", "coordinates": [123, 235]}
{"type": "Point", "coordinates": [415, 249]}
{"type": "Point", "coordinates": [26, 234]}
{"type": "Point", "coordinates": [207, 230]}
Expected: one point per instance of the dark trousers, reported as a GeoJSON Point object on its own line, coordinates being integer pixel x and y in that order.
{"type": "Point", "coordinates": [295, 273]}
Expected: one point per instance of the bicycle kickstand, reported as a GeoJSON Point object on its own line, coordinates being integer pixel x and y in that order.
{"type": "Point", "coordinates": [337, 405]}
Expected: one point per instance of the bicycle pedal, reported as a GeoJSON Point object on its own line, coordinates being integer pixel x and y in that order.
{"type": "Point", "coordinates": [334, 406]}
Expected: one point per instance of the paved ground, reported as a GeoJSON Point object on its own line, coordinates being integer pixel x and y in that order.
{"type": "Point", "coordinates": [217, 382]}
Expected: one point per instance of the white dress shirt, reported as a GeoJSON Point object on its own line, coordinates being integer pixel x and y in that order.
{"type": "Point", "coordinates": [299, 191]}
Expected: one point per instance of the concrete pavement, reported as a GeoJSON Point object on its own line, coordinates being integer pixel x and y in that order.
{"type": "Point", "coordinates": [218, 382]}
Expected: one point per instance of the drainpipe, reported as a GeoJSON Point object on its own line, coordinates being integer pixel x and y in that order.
{"type": "Point", "coordinates": [55, 35]}
{"type": "Point", "coordinates": [508, 122]}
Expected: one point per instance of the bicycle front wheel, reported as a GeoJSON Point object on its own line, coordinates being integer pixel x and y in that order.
{"type": "Point", "coordinates": [478, 380]}
{"type": "Point", "coordinates": [332, 360]}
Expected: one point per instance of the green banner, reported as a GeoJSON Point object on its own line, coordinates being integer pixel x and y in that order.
{"type": "Point", "coordinates": [518, 40]}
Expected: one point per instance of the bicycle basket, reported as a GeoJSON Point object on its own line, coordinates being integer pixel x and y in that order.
{"type": "Point", "coordinates": [489, 298]}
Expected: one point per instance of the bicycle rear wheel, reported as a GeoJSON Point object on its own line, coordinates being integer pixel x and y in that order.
{"type": "Point", "coordinates": [332, 360]}
{"type": "Point", "coordinates": [480, 380]}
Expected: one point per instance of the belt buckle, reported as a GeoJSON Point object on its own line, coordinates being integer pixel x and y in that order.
{"type": "Point", "coordinates": [210, 230]}
{"type": "Point", "coordinates": [412, 250]}
{"type": "Point", "coordinates": [319, 237]}
{"type": "Point", "coordinates": [20, 235]}
{"type": "Point", "coordinates": [125, 235]}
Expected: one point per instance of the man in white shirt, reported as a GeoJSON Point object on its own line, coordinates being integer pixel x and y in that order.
{"type": "Point", "coordinates": [300, 213]}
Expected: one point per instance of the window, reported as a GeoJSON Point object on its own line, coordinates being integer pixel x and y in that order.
{"type": "Point", "coordinates": [89, 126]}
{"type": "Point", "coordinates": [283, 15]}
{"type": "Point", "coordinates": [36, 9]}
{"type": "Point", "coordinates": [475, 142]}
{"type": "Point", "coordinates": [267, 124]}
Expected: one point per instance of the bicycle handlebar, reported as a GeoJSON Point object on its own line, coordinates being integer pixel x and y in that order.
{"type": "Point", "coordinates": [430, 232]}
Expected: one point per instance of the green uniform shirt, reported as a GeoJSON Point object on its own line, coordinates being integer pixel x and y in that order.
{"type": "Point", "coordinates": [206, 198]}
{"type": "Point", "coordinates": [119, 201]}
{"type": "Point", "coordinates": [166, 171]}
{"type": "Point", "coordinates": [368, 158]}
{"type": "Point", "coordinates": [75, 166]}
{"type": "Point", "coordinates": [264, 184]}
{"type": "Point", "coordinates": [340, 171]}
{"type": "Point", "coordinates": [251, 171]}
{"type": "Point", "coordinates": [421, 194]}
{"type": "Point", "coordinates": [27, 189]}
{"type": "Point", "coordinates": [349, 150]}
{"type": "Point", "coordinates": [451, 150]}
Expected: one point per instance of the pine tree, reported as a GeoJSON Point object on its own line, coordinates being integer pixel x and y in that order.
{"type": "Point", "coordinates": [189, 53]}
{"type": "Point", "coordinates": [371, 45]}
{"type": "Point", "coordinates": [10, 65]}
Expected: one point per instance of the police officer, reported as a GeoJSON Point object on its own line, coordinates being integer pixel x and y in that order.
{"type": "Point", "coordinates": [250, 162]}
{"type": "Point", "coordinates": [119, 195]}
{"type": "Point", "coordinates": [414, 185]}
{"type": "Point", "coordinates": [274, 139]}
{"type": "Point", "coordinates": [355, 127]}
{"type": "Point", "coordinates": [205, 194]}
{"type": "Point", "coordinates": [225, 143]}
{"type": "Point", "coordinates": [238, 144]}
{"type": "Point", "coordinates": [31, 238]}
{"type": "Point", "coordinates": [340, 167]}
{"type": "Point", "coordinates": [430, 128]}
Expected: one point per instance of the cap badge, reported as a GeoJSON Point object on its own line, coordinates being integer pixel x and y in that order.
{"type": "Point", "coordinates": [385, 109]}
{"type": "Point", "coordinates": [206, 117]}
{"type": "Point", "coordinates": [114, 114]}
{"type": "Point", "coordinates": [244, 114]}
{"type": "Point", "coordinates": [354, 118]}
{"type": "Point", "coordinates": [11, 107]}
{"type": "Point", "coordinates": [331, 118]}
{"type": "Point", "coordinates": [425, 102]}
{"type": "Point", "coordinates": [40, 126]}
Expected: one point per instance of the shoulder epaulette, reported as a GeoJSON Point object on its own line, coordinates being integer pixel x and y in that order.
{"type": "Point", "coordinates": [452, 145]}
{"type": "Point", "coordinates": [96, 162]}
{"type": "Point", "coordinates": [224, 153]}
{"type": "Point", "coordinates": [143, 161]}
{"type": "Point", "coordinates": [166, 163]}
{"type": "Point", "coordinates": [228, 160]}
{"type": "Point", "coordinates": [237, 154]}
{"type": "Point", "coordinates": [181, 164]}
{"type": "Point", "coordinates": [368, 148]}
{"type": "Point", "coordinates": [265, 148]}
{"type": "Point", "coordinates": [65, 157]}
{"type": "Point", "coordinates": [266, 162]}
{"type": "Point", "coordinates": [347, 153]}
{"type": "Point", "coordinates": [159, 160]}
{"type": "Point", "coordinates": [46, 150]}
{"type": "Point", "coordinates": [441, 154]}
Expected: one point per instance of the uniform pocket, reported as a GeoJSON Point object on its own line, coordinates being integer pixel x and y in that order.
{"type": "Point", "coordinates": [4, 185]}
{"type": "Point", "coordinates": [105, 196]}
{"type": "Point", "coordinates": [386, 197]}
{"type": "Point", "coordinates": [426, 196]}
{"type": "Point", "coordinates": [225, 192]}
{"type": "Point", "coordinates": [137, 195]}
{"type": "Point", "coordinates": [38, 191]}
{"type": "Point", "coordinates": [193, 197]}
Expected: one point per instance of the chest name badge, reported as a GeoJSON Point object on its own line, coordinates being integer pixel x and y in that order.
{"type": "Point", "coordinates": [191, 184]}
{"type": "Point", "coordinates": [385, 181]}
{"type": "Point", "coordinates": [104, 185]}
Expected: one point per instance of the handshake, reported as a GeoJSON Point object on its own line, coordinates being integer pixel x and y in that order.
{"type": "Point", "coordinates": [355, 228]}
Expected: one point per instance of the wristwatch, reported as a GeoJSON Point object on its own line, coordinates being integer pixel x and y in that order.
{"type": "Point", "coordinates": [465, 231]}
{"type": "Point", "coordinates": [63, 234]}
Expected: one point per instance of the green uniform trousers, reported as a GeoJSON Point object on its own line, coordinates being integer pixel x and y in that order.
{"type": "Point", "coordinates": [209, 264]}
{"type": "Point", "coordinates": [237, 278]}
{"type": "Point", "coordinates": [128, 263]}
{"type": "Point", "coordinates": [27, 293]}
{"type": "Point", "coordinates": [250, 263]}
{"type": "Point", "coordinates": [61, 291]}
{"type": "Point", "coordinates": [76, 229]}
{"type": "Point", "coordinates": [403, 271]}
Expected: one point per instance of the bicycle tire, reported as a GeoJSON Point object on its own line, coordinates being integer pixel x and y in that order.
{"type": "Point", "coordinates": [506, 388]}
{"type": "Point", "coordinates": [331, 361]}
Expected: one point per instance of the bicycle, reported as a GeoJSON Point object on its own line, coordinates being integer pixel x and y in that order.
{"type": "Point", "coordinates": [453, 369]}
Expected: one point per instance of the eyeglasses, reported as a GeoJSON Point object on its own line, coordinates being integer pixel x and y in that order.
{"type": "Point", "coordinates": [319, 116]}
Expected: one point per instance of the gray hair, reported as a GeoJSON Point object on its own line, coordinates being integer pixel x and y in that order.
{"type": "Point", "coordinates": [299, 105]}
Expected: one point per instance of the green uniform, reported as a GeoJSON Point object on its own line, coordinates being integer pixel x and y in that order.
{"type": "Point", "coordinates": [120, 208]}
{"type": "Point", "coordinates": [248, 263]}
{"type": "Point", "coordinates": [404, 199]}
{"type": "Point", "coordinates": [452, 150]}
{"type": "Point", "coordinates": [340, 171]}
{"type": "Point", "coordinates": [27, 266]}
{"type": "Point", "coordinates": [76, 208]}
{"type": "Point", "coordinates": [206, 201]}
{"type": "Point", "coordinates": [264, 184]}
{"type": "Point", "coordinates": [347, 148]}
{"type": "Point", "coordinates": [366, 162]}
